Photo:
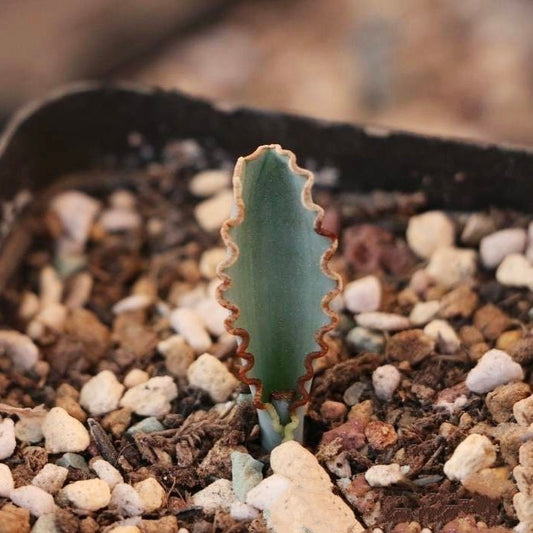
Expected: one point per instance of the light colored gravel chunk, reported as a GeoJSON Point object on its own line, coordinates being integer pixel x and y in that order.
{"type": "Point", "coordinates": [63, 433]}
{"type": "Point", "coordinates": [307, 502]}
{"type": "Point", "coordinates": [36, 500]}
{"type": "Point", "coordinates": [178, 355]}
{"type": "Point", "coordinates": [211, 375]}
{"type": "Point", "coordinates": [384, 475]}
{"type": "Point", "coordinates": [495, 247]}
{"type": "Point", "coordinates": [213, 316]}
{"type": "Point", "coordinates": [118, 219]}
{"type": "Point", "coordinates": [442, 332]}
{"type": "Point", "coordinates": [209, 182]}
{"type": "Point", "coordinates": [50, 478]}
{"type": "Point", "coordinates": [210, 260]}
{"type": "Point", "coordinates": [386, 379]}
{"type": "Point", "coordinates": [515, 271]}
{"type": "Point", "coordinates": [101, 393]}
{"type": "Point", "coordinates": [450, 266]}
{"type": "Point", "coordinates": [126, 500]}
{"type": "Point", "coordinates": [210, 214]}
{"type": "Point", "coordinates": [423, 312]}
{"type": "Point", "coordinates": [190, 325]}
{"type": "Point", "coordinates": [151, 398]}
{"type": "Point", "coordinates": [19, 348]}
{"type": "Point", "coordinates": [107, 472]}
{"type": "Point", "coordinates": [472, 455]}
{"type": "Point", "coordinates": [429, 231]}
{"type": "Point", "coordinates": [152, 494]}
{"type": "Point", "coordinates": [134, 302]}
{"type": "Point", "coordinates": [382, 321]}
{"type": "Point", "coordinates": [88, 494]}
{"type": "Point", "coordinates": [216, 496]}
{"type": "Point", "coordinates": [363, 295]}
{"type": "Point", "coordinates": [135, 376]}
{"type": "Point", "coordinates": [6, 481]}
{"type": "Point", "coordinates": [7, 438]}
{"type": "Point", "coordinates": [496, 367]}
{"type": "Point", "coordinates": [523, 411]}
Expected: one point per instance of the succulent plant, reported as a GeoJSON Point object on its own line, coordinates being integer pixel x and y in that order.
{"type": "Point", "coordinates": [277, 283]}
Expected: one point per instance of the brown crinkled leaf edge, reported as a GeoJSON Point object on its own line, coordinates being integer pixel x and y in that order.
{"type": "Point", "coordinates": [233, 253]}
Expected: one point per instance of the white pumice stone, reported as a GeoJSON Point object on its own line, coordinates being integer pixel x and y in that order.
{"type": "Point", "coordinates": [523, 505]}
{"type": "Point", "coordinates": [477, 226]}
{"type": "Point", "coordinates": [423, 312]}
{"type": "Point", "coordinates": [135, 376]}
{"type": "Point", "coordinates": [363, 295]}
{"type": "Point", "coordinates": [134, 302]}
{"type": "Point", "coordinates": [266, 493]}
{"type": "Point", "coordinates": [36, 500]}
{"type": "Point", "coordinates": [382, 321]}
{"type": "Point", "coordinates": [7, 438]}
{"type": "Point", "coordinates": [107, 472]}
{"type": "Point", "coordinates": [442, 332]}
{"type": "Point", "coordinates": [211, 375]}
{"type": "Point", "coordinates": [306, 503]}
{"type": "Point", "coordinates": [429, 231]}
{"type": "Point", "coordinates": [76, 211]}
{"type": "Point", "coordinates": [122, 199]}
{"type": "Point", "coordinates": [449, 266]}
{"type": "Point", "coordinates": [216, 496]}
{"type": "Point", "coordinates": [50, 286]}
{"type": "Point", "coordinates": [209, 182]}
{"type": "Point", "coordinates": [152, 494]}
{"type": "Point", "coordinates": [63, 433]}
{"type": "Point", "coordinates": [384, 475]}
{"type": "Point", "coordinates": [495, 247]}
{"type": "Point", "coordinates": [29, 429]}
{"type": "Point", "coordinates": [101, 393]}
{"type": "Point", "coordinates": [213, 316]}
{"type": "Point", "coordinates": [50, 478]}
{"type": "Point", "coordinates": [188, 323]}
{"type": "Point", "coordinates": [386, 379]}
{"type": "Point", "coordinates": [242, 511]}
{"type": "Point", "coordinates": [210, 260]}
{"type": "Point", "coordinates": [126, 500]}
{"type": "Point", "coordinates": [115, 220]}
{"type": "Point", "coordinates": [515, 271]}
{"type": "Point", "coordinates": [523, 411]}
{"type": "Point", "coordinates": [88, 494]}
{"type": "Point", "coordinates": [6, 481]}
{"type": "Point", "coordinates": [210, 214]}
{"type": "Point", "coordinates": [472, 455]}
{"type": "Point", "coordinates": [496, 367]}
{"type": "Point", "coordinates": [151, 398]}
{"type": "Point", "coordinates": [529, 247]}
{"type": "Point", "coordinates": [19, 348]}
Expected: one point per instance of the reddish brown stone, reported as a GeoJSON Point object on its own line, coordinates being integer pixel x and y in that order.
{"type": "Point", "coordinates": [491, 321]}
{"type": "Point", "coordinates": [380, 435]}
{"type": "Point", "coordinates": [351, 435]}
{"type": "Point", "coordinates": [412, 345]}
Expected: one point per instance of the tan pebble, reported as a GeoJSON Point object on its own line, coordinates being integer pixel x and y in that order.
{"type": "Point", "coordinates": [450, 266]}
{"type": "Point", "coordinates": [210, 214]}
{"type": "Point", "coordinates": [523, 476]}
{"type": "Point", "coordinates": [178, 355]}
{"type": "Point", "coordinates": [117, 421]}
{"type": "Point", "coordinates": [166, 524]}
{"type": "Point", "coordinates": [491, 321]}
{"type": "Point", "coordinates": [407, 298]}
{"type": "Point", "coordinates": [72, 407]}
{"type": "Point", "coordinates": [135, 376]}
{"type": "Point", "coordinates": [331, 410]}
{"type": "Point", "coordinates": [29, 305]}
{"type": "Point", "coordinates": [446, 430]}
{"type": "Point", "coordinates": [462, 302]}
{"type": "Point", "coordinates": [470, 335]}
{"type": "Point", "coordinates": [473, 454]}
{"type": "Point", "coordinates": [508, 338]}
{"type": "Point", "coordinates": [407, 527]}
{"type": "Point", "coordinates": [382, 321]}
{"type": "Point", "coordinates": [522, 350]}
{"type": "Point", "coordinates": [50, 286]}
{"type": "Point", "coordinates": [362, 411]}
{"type": "Point", "coordinates": [14, 519]}
{"type": "Point", "coordinates": [152, 494]}
{"type": "Point", "coordinates": [423, 312]}
{"type": "Point", "coordinates": [444, 335]}
{"type": "Point", "coordinates": [80, 290]}
{"type": "Point", "coordinates": [210, 260]}
{"type": "Point", "coordinates": [523, 411]}
{"type": "Point", "coordinates": [526, 454]}
{"type": "Point", "coordinates": [412, 345]}
{"type": "Point", "coordinates": [490, 482]}
{"type": "Point", "coordinates": [380, 435]}
{"type": "Point", "coordinates": [501, 400]}
{"type": "Point", "coordinates": [209, 182]}
{"type": "Point", "coordinates": [427, 232]}
{"type": "Point", "coordinates": [478, 350]}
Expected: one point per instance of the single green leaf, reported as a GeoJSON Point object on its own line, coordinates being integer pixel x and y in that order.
{"type": "Point", "coordinates": [276, 279]}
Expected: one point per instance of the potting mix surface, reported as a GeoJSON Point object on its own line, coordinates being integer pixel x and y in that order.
{"type": "Point", "coordinates": [119, 406]}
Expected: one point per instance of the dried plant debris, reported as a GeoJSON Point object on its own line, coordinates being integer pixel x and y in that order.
{"type": "Point", "coordinates": [119, 409]}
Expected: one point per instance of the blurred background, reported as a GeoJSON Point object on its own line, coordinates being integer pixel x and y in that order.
{"type": "Point", "coordinates": [449, 67]}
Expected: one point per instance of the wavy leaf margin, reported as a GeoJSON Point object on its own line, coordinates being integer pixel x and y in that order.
{"type": "Point", "coordinates": [247, 358]}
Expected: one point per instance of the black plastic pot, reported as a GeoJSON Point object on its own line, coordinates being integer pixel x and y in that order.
{"type": "Point", "coordinates": [79, 127]}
